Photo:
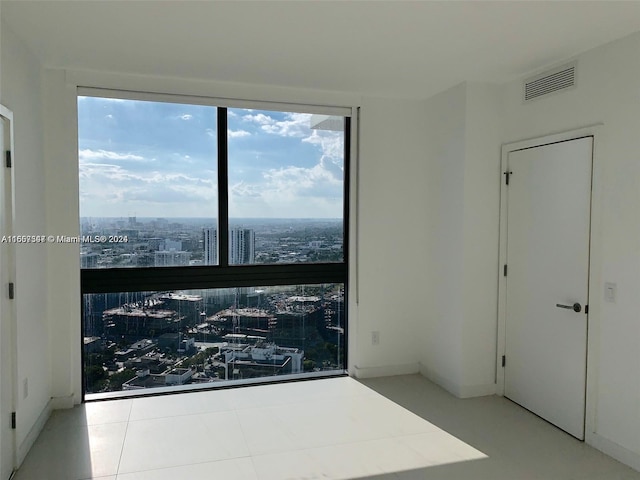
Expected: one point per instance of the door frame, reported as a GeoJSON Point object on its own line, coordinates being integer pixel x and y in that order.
{"type": "Point", "coordinates": [7, 307]}
{"type": "Point", "coordinates": [595, 261]}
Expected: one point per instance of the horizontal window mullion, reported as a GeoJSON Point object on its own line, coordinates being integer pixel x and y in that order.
{"type": "Point", "coordinates": [196, 277]}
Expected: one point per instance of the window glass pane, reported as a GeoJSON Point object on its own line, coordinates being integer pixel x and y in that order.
{"type": "Point", "coordinates": [143, 340]}
{"type": "Point", "coordinates": [286, 187]}
{"type": "Point", "coordinates": [148, 183]}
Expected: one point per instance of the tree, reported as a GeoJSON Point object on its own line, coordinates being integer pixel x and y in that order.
{"type": "Point", "coordinates": [117, 379]}
{"type": "Point", "coordinates": [95, 377]}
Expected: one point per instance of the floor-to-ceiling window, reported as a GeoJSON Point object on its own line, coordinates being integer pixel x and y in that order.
{"type": "Point", "coordinates": [213, 241]}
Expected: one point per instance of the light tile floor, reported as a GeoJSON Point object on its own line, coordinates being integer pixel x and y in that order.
{"type": "Point", "coordinates": [387, 428]}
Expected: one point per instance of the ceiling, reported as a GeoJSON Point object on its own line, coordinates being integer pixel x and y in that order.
{"type": "Point", "coordinates": [382, 48]}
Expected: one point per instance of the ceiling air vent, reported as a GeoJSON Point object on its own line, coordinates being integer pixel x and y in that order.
{"type": "Point", "coordinates": [560, 78]}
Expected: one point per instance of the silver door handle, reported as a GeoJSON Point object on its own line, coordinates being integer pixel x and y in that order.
{"type": "Point", "coordinates": [576, 307]}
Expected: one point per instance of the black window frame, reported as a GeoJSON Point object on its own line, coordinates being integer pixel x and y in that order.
{"type": "Point", "coordinates": [224, 275]}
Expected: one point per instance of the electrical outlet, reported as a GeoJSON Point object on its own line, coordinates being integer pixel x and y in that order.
{"type": "Point", "coordinates": [610, 292]}
{"type": "Point", "coordinates": [375, 338]}
{"type": "Point", "coordinates": [25, 388]}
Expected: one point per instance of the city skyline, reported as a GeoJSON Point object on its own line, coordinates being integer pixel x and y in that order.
{"type": "Point", "coordinates": [135, 242]}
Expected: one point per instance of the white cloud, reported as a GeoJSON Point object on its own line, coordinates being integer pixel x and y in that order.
{"type": "Point", "coordinates": [89, 155]}
{"type": "Point", "coordinates": [186, 116]}
{"type": "Point", "coordinates": [297, 125]}
{"type": "Point", "coordinates": [112, 174]}
{"type": "Point", "coordinates": [260, 119]}
{"type": "Point", "coordinates": [237, 133]}
{"type": "Point", "coordinates": [291, 191]}
{"type": "Point", "coordinates": [211, 132]}
{"type": "Point", "coordinates": [94, 176]}
{"type": "Point", "coordinates": [298, 179]}
{"type": "Point", "coordinates": [295, 191]}
{"type": "Point", "coordinates": [331, 143]}
{"type": "Point", "coordinates": [294, 124]}
{"type": "Point", "coordinates": [242, 189]}
{"type": "Point", "coordinates": [108, 190]}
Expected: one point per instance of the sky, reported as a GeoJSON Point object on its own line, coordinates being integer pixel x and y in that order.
{"type": "Point", "coordinates": [152, 159]}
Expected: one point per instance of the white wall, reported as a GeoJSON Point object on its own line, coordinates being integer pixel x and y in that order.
{"type": "Point", "coordinates": [21, 76]}
{"type": "Point", "coordinates": [392, 236]}
{"type": "Point", "coordinates": [458, 330]}
{"type": "Point", "coordinates": [0, 51]}
{"type": "Point", "coordinates": [481, 231]}
{"type": "Point", "coordinates": [443, 318]}
{"type": "Point", "coordinates": [61, 184]}
{"type": "Point", "coordinates": [608, 91]}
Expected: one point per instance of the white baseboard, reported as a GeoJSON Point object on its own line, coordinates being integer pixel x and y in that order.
{"type": "Point", "coordinates": [614, 450]}
{"type": "Point", "coordinates": [33, 434]}
{"type": "Point", "coordinates": [386, 371]}
{"type": "Point", "coordinates": [62, 403]}
{"type": "Point", "coordinates": [451, 387]}
{"type": "Point", "coordinates": [460, 391]}
{"type": "Point", "coordinates": [56, 403]}
{"type": "Point", "coordinates": [470, 391]}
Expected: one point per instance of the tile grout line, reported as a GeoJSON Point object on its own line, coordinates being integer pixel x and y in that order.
{"type": "Point", "coordinates": [244, 438]}
{"type": "Point", "coordinates": [182, 465]}
{"type": "Point", "coordinates": [124, 439]}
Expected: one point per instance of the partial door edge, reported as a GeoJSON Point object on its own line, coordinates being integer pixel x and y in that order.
{"type": "Point", "coordinates": [7, 308]}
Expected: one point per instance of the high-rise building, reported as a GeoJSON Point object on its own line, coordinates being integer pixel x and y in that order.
{"type": "Point", "coordinates": [210, 241]}
{"type": "Point", "coordinates": [241, 246]}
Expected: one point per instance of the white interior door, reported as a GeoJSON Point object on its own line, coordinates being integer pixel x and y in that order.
{"type": "Point", "coordinates": [7, 441]}
{"type": "Point", "coordinates": [548, 223]}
